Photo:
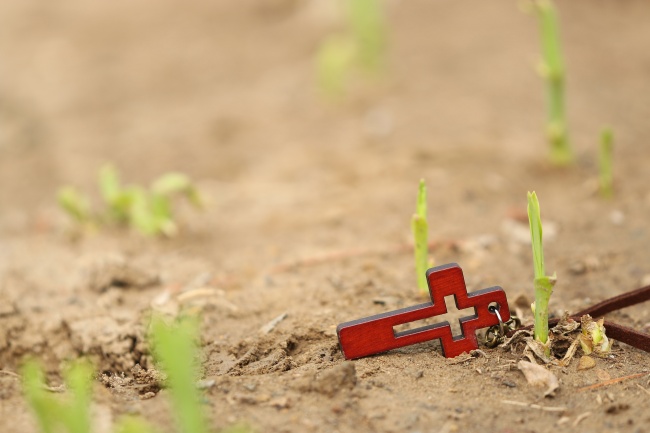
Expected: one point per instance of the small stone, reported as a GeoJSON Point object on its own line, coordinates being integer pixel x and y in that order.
{"type": "Point", "coordinates": [578, 268]}
{"type": "Point", "coordinates": [617, 217]}
{"type": "Point", "coordinates": [593, 263]}
{"type": "Point", "coordinates": [603, 375]}
{"type": "Point", "coordinates": [280, 403]}
{"type": "Point", "coordinates": [236, 398]}
{"type": "Point", "coordinates": [205, 383]}
{"type": "Point", "coordinates": [586, 362]}
{"type": "Point", "coordinates": [378, 122]}
{"type": "Point", "coordinates": [617, 408]}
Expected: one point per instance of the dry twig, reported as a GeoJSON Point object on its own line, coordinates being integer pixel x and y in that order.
{"type": "Point", "coordinates": [535, 406]}
{"type": "Point", "coordinates": [644, 390]}
{"type": "Point", "coordinates": [611, 382]}
{"type": "Point", "coordinates": [580, 417]}
{"type": "Point", "coordinates": [10, 373]}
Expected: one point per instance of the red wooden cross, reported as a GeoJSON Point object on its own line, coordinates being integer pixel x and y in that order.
{"type": "Point", "coordinates": [376, 334]}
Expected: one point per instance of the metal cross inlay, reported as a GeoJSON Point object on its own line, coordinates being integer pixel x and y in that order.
{"type": "Point", "coordinates": [378, 333]}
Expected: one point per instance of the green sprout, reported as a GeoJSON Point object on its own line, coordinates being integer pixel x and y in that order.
{"type": "Point", "coordinates": [147, 210]}
{"type": "Point", "coordinates": [543, 284]}
{"type": "Point", "coordinates": [69, 413]}
{"type": "Point", "coordinates": [334, 62]}
{"type": "Point", "coordinates": [175, 348]}
{"type": "Point", "coordinates": [606, 176]}
{"type": "Point", "coordinates": [420, 229]}
{"type": "Point", "coordinates": [131, 424]}
{"type": "Point", "coordinates": [366, 22]}
{"type": "Point", "coordinates": [361, 45]}
{"type": "Point", "coordinates": [74, 204]}
{"type": "Point", "coordinates": [176, 352]}
{"type": "Point", "coordinates": [593, 338]}
{"type": "Point", "coordinates": [54, 413]}
{"type": "Point", "coordinates": [552, 69]}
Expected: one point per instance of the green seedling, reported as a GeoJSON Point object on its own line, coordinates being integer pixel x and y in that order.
{"type": "Point", "coordinates": [74, 204]}
{"type": "Point", "coordinates": [593, 338]}
{"type": "Point", "coordinates": [366, 21]}
{"type": "Point", "coordinates": [335, 59]}
{"type": "Point", "coordinates": [53, 412]}
{"type": "Point", "coordinates": [420, 229]}
{"type": "Point", "coordinates": [133, 425]}
{"type": "Point", "coordinates": [149, 210]}
{"type": "Point", "coordinates": [543, 284]}
{"type": "Point", "coordinates": [553, 71]}
{"type": "Point", "coordinates": [176, 352]}
{"type": "Point", "coordinates": [359, 46]}
{"type": "Point", "coordinates": [605, 165]}
{"type": "Point", "coordinates": [118, 200]}
{"type": "Point", "coordinates": [175, 349]}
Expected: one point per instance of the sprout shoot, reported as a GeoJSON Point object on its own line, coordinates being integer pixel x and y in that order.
{"type": "Point", "coordinates": [360, 46]}
{"type": "Point", "coordinates": [552, 70]}
{"type": "Point", "coordinates": [53, 412]}
{"type": "Point", "coordinates": [421, 245]}
{"type": "Point", "coordinates": [606, 172]}
{"type": "Point", "coordinates": [176, 351]}
{"type": "Point", "coordinates": [593, 338]}
{"type": "Point", "coordinates": [148, 210]}
{"type": "Point", "coordinates": [543, 284]}
{"type": "Point", "coordinates": [74, 204]}
{"type": "Point", "coordinates": [175, 348]}
{"type": "Point", "coordinates": [366, 21]}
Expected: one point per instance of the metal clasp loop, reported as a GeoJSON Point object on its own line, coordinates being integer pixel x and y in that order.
{"type": "Point", "coordinates": [496, 334]}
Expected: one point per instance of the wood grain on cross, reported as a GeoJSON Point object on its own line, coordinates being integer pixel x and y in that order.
{"type": "Point", "coordinates": [376, 334]}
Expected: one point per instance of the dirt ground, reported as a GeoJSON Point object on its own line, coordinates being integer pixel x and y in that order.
{"type": "Point", "coordinates": [309, 205]}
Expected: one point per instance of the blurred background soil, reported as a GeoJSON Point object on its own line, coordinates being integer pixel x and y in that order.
{"type": "Point", "coordinates": [309, 203]}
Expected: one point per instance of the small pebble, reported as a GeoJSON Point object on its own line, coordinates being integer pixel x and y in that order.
{"type": "Point", "coordinates": [280, 403]}
{"type": "Point", "coordinates": [593, 263]}
{"type": "Point", "coordinates": [205, 383]}
{"type": "Point", "coordinates": [586, 362]}
{"type": "Point", "coordinates": [378, 122]}
{"type": "Point", "coordinates": [617, 217]}
{"type": "Point", "coordinates": [578, 268]}
{"type": "Point", "coordinates": [617, 408]}
{"type": "Point", "coordinates": [147, 395]}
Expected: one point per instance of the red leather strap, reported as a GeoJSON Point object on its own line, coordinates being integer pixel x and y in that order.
{"type": "Point", "coordinates": [617, 302]}
{"type": "Point", "coordinates": [630, 336]}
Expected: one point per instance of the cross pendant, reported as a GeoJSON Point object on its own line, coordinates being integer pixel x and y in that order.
{"type": "Point", "coordinates": [376, 334]}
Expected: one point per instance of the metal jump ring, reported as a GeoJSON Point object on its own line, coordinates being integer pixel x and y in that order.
{"type": "Point", "coordinates": [495, 310]}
